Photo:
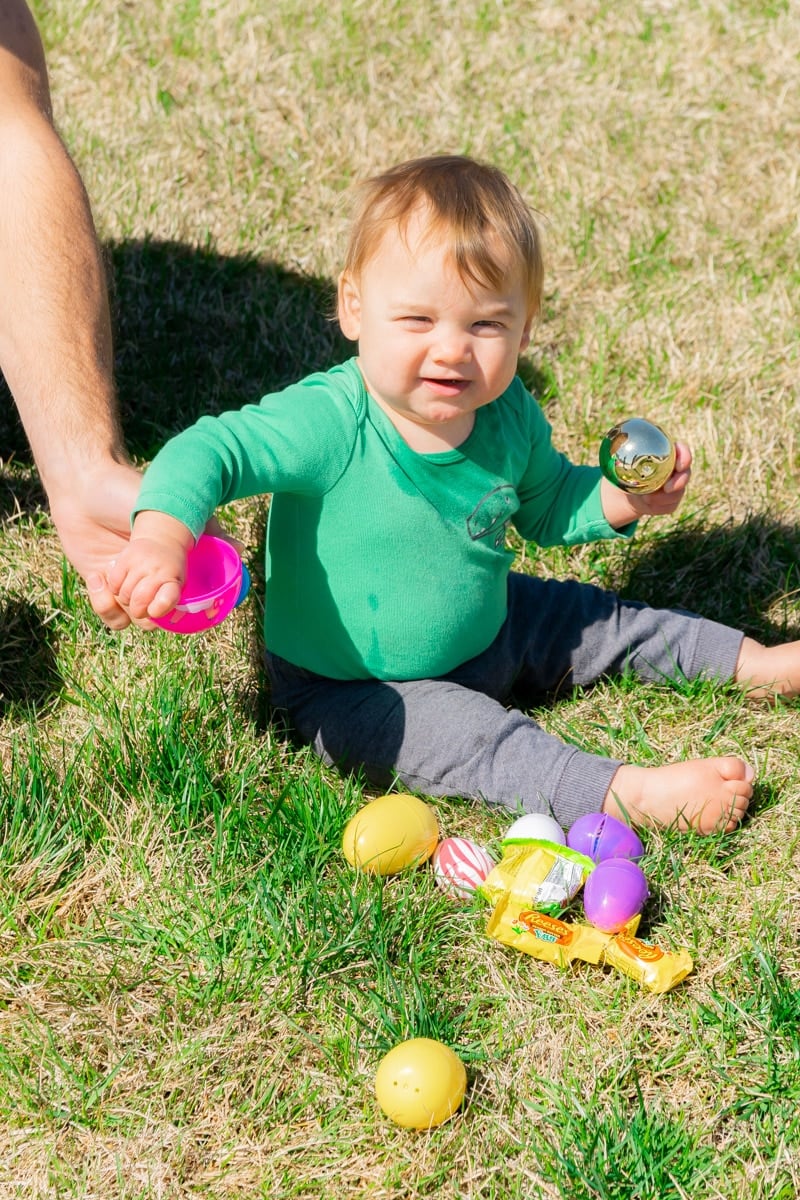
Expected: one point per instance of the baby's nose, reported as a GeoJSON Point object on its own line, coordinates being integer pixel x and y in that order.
{"type": "Point", "coordinates": [453, 346]}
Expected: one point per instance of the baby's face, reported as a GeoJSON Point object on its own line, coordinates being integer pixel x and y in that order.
{"type": "Point", "coordinates": [432, 348]}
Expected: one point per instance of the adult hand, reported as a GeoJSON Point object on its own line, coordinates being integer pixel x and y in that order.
{"type": "Point", "coordinates": [93, 520]}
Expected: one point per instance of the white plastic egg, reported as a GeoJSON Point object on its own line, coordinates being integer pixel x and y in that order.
{"type": "Point", "coordinates": [538, 826]}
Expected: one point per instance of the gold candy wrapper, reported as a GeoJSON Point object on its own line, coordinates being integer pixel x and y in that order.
{"type": "Point", "coordinates": [537, 874]}
{"type": "Point", "coordinates": [549, 938]}
{"type": "Point", "coordinates": [656, 969]}
{"type": "Point", "coordinates": [561, 942]}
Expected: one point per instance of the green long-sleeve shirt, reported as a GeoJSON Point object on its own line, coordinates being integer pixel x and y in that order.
{"type": "Point", "coordinates": [381, 562]}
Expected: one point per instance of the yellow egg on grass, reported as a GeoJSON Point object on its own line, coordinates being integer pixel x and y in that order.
{"type": "Point", "coordinates": [390, 834]}
{"type": "Point", "coordinates": [420, 1083]}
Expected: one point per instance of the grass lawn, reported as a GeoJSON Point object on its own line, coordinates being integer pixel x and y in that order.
{"type": "Point", "coordinates": [195, 987]}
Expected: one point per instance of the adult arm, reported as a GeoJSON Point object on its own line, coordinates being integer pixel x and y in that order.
{"type": "Point", "coordinates": [55, 332]}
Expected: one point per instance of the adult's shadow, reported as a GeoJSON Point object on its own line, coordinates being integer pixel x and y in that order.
{"type": "Point", "coordinates": [200, 332]}
{"type": "Point", "coordinates": [745, 574]}
{"type": "Point", "coordinates": [196, 332]}
{"type": "Point", "coordinates": [29, 676]}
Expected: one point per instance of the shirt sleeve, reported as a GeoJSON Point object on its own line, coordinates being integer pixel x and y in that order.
{"type": "Point", "coordinates": [297, 440]}
{"type": "Point", "coordinates": [560, 501]}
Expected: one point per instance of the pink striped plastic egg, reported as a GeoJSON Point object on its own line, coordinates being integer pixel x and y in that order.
{"type": "Point", "coordinates": [460, 866]}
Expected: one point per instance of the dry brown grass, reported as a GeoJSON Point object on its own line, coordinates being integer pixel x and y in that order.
{"type": "Point", "coordinates": [659, 141]}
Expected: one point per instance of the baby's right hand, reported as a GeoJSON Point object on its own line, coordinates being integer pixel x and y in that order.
{"type": "Point", "coordinates": [148, 576]}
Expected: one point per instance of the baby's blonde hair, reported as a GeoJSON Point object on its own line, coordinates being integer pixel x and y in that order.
{"type": "Point", "coordinates": [469, 205]}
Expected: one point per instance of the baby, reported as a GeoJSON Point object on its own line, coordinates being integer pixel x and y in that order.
{"type": "Point", "coordinates": [398, 639]}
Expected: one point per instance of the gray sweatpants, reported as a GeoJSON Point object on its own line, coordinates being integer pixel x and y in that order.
{"type": "Point", "coordinates": [458, 735]}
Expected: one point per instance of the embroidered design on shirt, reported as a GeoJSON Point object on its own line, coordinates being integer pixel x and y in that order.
{"type": "Point", "coordinates": [492, 514]}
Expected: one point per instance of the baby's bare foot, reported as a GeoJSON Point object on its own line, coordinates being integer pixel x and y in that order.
{"type": "Point", "coordinates": [766, 672]}
{"type": "Point", "coordinates": [705, 794]}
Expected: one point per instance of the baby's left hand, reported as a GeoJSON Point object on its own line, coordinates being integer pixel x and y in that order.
{"type": "Point", "coordinates": [621, 507]}
{"type": "Point", "coordinates": [668, 497]}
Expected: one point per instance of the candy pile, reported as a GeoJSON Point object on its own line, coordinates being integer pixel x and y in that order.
{"type": "Point", "coordinates": [541, 871]}
{"type": "Point", "coordinates": [420, 1083]}
{"type": "Point", "coordinates": [537, 878]}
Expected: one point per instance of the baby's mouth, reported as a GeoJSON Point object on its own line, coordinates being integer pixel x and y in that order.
{"type": "Point", "coordinates": [447, 387]}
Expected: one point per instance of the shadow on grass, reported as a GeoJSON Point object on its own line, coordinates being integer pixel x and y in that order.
{"type": "Point", "coordinates": [194, 332]}
{"type": "Point", "coordinates": [746, 574]}
{"type": "Point", "coordinates": [29, 677]}
{"type": "Point", "coordinates": [20, 489]}
{"type": "Point", "coordinates": [200, 332]}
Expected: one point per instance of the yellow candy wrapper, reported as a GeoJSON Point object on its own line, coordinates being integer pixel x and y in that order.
{"type": "Point", "coordinates": [561, 942]}
{"type": "Point", "coordinates": [537, 874]}
{"type": "Point", "coordinates": [548, 938]}
{"type": "Point", "coordinates": [656, 969]}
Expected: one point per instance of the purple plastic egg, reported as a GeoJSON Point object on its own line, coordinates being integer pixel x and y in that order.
{"type": "Point", "coordinates": [600, 836]}
{"type": "Point", "coordinates": [614, 892]}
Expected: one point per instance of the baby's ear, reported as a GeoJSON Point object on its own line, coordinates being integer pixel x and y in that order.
{"type": "Point", "coordinates": [348, 307]}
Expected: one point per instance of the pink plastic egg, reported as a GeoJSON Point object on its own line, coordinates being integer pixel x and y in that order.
{"type": "Point", "coordinates": [460, 866]}
{"type": "Point", "coordinates": [615, 891]}
{"type": "Point", "coordinates": [212, 589]}
{"type": "Point", "coordinates": [600, 836]}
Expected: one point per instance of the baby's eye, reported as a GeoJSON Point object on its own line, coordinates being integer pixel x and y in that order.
{"type": "Point", "coordinates": [415, 319]}
{"type": "Point", "coordinates": [489, 326]}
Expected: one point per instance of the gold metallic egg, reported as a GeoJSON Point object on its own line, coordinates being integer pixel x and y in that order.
{"type": "Point", "coordinates": [637, 456]}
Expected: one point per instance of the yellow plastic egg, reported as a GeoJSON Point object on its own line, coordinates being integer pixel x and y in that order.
{"type": "Point", "coordinates": [389, 834]}
{"type": "Point", "coordinates": [420, 1083]}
